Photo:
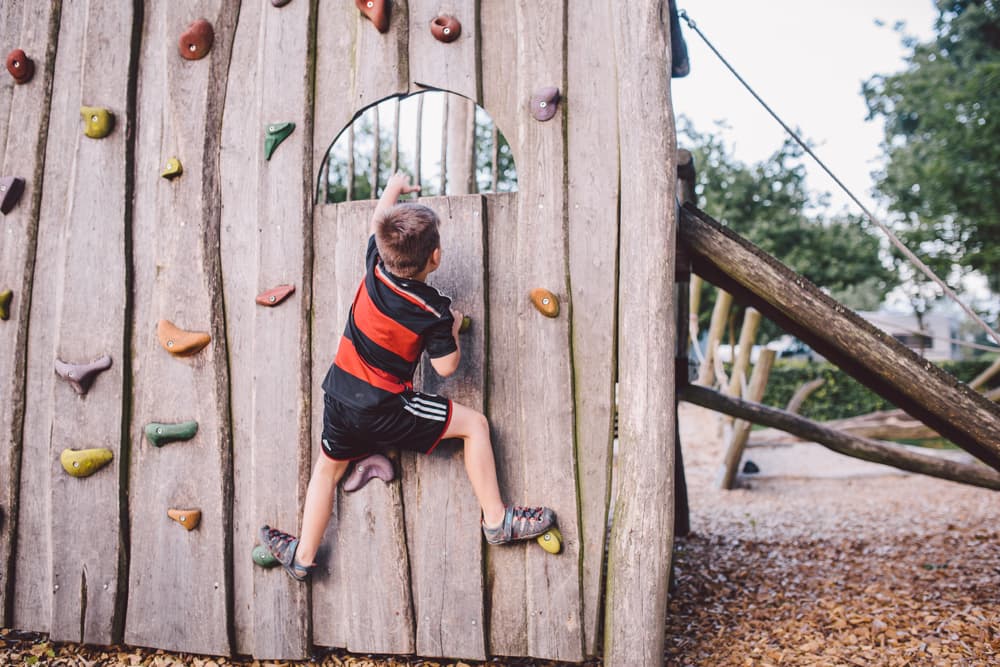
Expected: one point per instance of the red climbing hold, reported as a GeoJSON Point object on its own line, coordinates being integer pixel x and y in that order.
{"type": "Point", "coordinates": [275, 295]}
{"type": "Point", "coordinates": [11, 188]}
{"type": "Point", "coordinates": [196, 41]}
{"type": "Point", "coordinates": [446, 28]}
{"type": "Point", "coordinates": [20, 66]}
{"type": "Point", "coordinates": [377, 12]}
{"type": "Point", "coordinates": [545, 103]}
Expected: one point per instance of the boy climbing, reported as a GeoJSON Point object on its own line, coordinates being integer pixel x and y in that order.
{"type": "Point", "coordinates": [370, 404]}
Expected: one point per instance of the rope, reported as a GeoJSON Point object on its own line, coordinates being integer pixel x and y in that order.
{"type": "Point", "coordinates": [888, 232]}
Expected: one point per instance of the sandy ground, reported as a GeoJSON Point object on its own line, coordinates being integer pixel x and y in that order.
{"type": "Point", "coordinates": [818, 560]}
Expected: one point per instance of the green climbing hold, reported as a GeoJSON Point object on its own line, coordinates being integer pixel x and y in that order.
{"type": "Point", "coordinates": [261, 556]}
{"type": "Point", "coordinates": [5, 297]}
{"type": "Point", "coordinates": [274, 135]}
{"type": "Point", "coordinates": [163, 434]}
{"type": "Point", "coordinates": [84, 462]}
{"type": "Point", "coordinates": [97, 122]}
{"type": "Point", "coordinates": [173, 169]}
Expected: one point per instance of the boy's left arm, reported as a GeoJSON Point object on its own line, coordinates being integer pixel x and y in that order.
{"type": "Point", "coordinates": [398, 184]}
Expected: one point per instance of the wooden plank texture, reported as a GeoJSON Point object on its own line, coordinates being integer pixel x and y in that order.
{"type": "Point", "coordinates": [871, 356]}
{"type": "Point", "coordinates": [271, 371]}
{"type": "Point", "coordinates": [178, 597]}
{"type": "Point", "coordinates": [592, 203]}
{"type": "Point", "coordinates": [498, 65]}
{"type": "Point", "coordinates": [442, 512]}
{"type": "Point", "coordinates": [361, 593]}
{"type": "Point", "coordinates": [80, 316]}
{"type": "Point", "coordinates": [25, 108]}
{"type": "Point", "coordinates": [642, 534]}
{"type": "Point", "coordinates": [448, 66]}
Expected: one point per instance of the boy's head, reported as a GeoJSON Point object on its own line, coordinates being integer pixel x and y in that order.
{"type": "Point", "coordinates": [407, 236]}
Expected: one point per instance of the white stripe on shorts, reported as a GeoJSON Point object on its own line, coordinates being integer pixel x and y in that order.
{"type": "Point", "coordinates": [433, 416]}
{"type": "Point", "coordinates": [431, 405]}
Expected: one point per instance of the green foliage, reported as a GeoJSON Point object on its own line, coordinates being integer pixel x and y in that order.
{"type": "Point", "coordinates": [942, 140]}
{"type": "Point", "coordinates": [841, 395]}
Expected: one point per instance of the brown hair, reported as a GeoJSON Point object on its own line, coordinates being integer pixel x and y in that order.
{"type": "Point", "coordinates": [407, 235]}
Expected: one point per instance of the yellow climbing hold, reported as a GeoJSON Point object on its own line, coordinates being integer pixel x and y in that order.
{"type": "Point", "coordinates": [173, 169]}
{"type": "Point", "coordinates": [551, 541]}
{"type": "Point", "coordinates": [97, 122]}
{"type": "Point", "coordinates": [84, 462]}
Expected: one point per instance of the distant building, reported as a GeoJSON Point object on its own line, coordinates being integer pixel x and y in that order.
{"type": "Point", "coordinates": [933, 343]}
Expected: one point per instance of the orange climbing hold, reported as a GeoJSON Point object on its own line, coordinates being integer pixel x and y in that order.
{"type": "Point", "coordinates": [446, 28]}
{"type": "Point", "coordinates": [196, 41]}
{"type": "Point", "coordinates": [180, 342]}
{"type": "Point", "coordinates": [545, 301]}
{"type": "Point", "coordinates": [20, 66]}
{"type": "Point", "coordinates": [275, 295]}
{"type": "Point", "coordinates": [188, 519]}
{"type": "Point", "coordinates": [377, 12]}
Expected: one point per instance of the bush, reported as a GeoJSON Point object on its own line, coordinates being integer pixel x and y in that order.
{"type": "Point", "coordinates": [841, 395]}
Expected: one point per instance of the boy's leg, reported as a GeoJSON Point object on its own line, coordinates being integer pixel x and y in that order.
{"type": "Point", "coordinates": [319, 504]}
{"type": "Point", "coordinates": [473, 428]}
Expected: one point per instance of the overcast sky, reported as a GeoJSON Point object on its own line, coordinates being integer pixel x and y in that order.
{"type": "Point", "coordinates": [807, 59]}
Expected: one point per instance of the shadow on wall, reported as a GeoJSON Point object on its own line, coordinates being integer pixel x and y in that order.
{"type": "Point", "coordinates": [445, 142]}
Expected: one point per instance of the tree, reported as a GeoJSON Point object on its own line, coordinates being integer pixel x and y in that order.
{"type": "Point", "coordinates": [942, 141]}
{"type": "Point", "coordinates": [769, 204]}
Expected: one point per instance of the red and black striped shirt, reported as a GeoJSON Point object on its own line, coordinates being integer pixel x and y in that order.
{"type": "Point", "coordinates": [390, 324]}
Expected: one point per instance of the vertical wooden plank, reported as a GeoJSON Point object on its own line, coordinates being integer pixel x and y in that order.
{"type": "Point", "coordinates": [364, 587]}
{"type": "Point", "coordinates": [381, 60]}
{"type": "Point", "coordinates": [271, 401]}
{"type": "Point", "coordinates": [376, 151]}
{"type": "Point", "coordinates": [508, 620]}
{"type": "Point", "coordinates": [498, 39]}
{"type": "Point", "coordinates": [442, 512]}
{"type": "Point", "coordinates": [642, 532]}
{"type": "Point", "coordinates": [446, 103]}
{"type": "Point", "coordinates": [461, 142]}
{"type": "Point", "coordinates": [592, 203]}
{"type": "Point", "coordinates": [25, 110]}
{"type": "Point", "coordinates": [741, 429]}
{"type": "Point", "coordinates": [448, 66]}
{"type": "Point", "coordinates": [553, 596]}
{"type": "Point", "coordinates": [179, 582]}
{"type": "Point", "coordinates": [80, 316]}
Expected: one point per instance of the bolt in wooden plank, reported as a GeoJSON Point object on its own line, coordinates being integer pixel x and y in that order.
{"type": "Point", "coordinates": [435, 64]}
{"type": "Point", "coordinates": [25, 110]}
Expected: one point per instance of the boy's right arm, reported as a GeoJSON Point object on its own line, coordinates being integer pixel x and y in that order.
{"type": "Point", "coordinates": [398, 184]}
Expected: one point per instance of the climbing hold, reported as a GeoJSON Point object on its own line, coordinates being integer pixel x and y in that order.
{"type": "Point", "coordinates": [98, 122]}
{"type": "Point", "coordinates": [11, 189]}
{"type": "Point", "coordinates": [466, 323]}
{"type": "Point", "coordinates": [262, 556]}
{"type": "Point", "coordinates": [196, 41]}
{"type": "Point", "coordinates": [163, 434]}
{"type": "Point", "coordinates": [81, 376]}
{"type": "Point", "coordinates": [275, 295]}
{"type": "Point", "coordinates": [446, 28]}
{"type": "Point", "coordinates": [20, 66]}
{"type": "Point", "coordinates": [551, 541]}
{"type": "Point", "coordinates": [180, 342]}
{"type": "Point", "coordinates": [367, 469]}
{"type": "Point", "coordinates": [545, 103]}
{"type": "Point", "coordinates": [5, 297]}
{"type": "Point", "coordinates": [545, 301]}
{"type": "Point", "coordinates": [274, 135]}
{"type": "Point", "coordinates": [280, 3]}
{"type": "Point", "coordinates": [173, 169]}
{"type": "Point", "coordinates": [189, 519]}
{"type": "Point", "coordinates": [750, 468]}
{"type": "Point", "coordinates": [377, 12]}
{"type": "Point", "coordinates": [84, 462]}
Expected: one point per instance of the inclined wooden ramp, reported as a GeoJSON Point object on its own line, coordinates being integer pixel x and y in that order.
{"type": "Point", "coordinates": [870, 355]}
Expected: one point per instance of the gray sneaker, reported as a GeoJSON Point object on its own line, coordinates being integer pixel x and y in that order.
{"type": "Point", "coordinates": [282, 546]}
{"type": "Point", "coordinates": [521, 523]}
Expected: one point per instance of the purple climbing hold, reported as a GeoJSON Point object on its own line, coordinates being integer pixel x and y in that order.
{"type": "Point", "coordinates": [367, 469]}
{"type": "Point", "coordinates": [280, 3]}
{"type": "Point", "coordinates": [11, 189]}
{"type": "Point", "coordinates": [80, 376]}
{"type": "Point", "coordinates": [545, 103]}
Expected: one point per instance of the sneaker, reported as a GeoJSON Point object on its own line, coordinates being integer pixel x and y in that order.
{"type": "Point", "coordinates": [520, 523]}
{"type": "Point", "coordinates": [282, 546]}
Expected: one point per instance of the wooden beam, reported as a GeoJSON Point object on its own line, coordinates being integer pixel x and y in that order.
{"type": "Point", "coordinates": [720, 314]}
{"type": "Point", "coordinates": [886, 453]}
{"type": "Point", "coordinates": [748, 336]}
{"type": "Point", "coordinates": [741, 429]}
{"type": "Point", "coordinates": [871, 356]}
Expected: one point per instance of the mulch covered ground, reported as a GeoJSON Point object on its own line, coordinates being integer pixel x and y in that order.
{"type": "Point", "coordinates": [861, 570]}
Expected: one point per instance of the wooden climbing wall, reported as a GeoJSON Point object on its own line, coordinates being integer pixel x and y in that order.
{"type": "Point", "coordinates": [118, 248]}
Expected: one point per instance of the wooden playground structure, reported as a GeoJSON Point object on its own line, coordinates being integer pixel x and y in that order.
{"type": "Point", "coordinates": [149, 226]}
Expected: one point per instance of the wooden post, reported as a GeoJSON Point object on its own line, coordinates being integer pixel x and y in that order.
{"type": "Point", "coordinates": [748, 335]}
{"type": "Point", "coordinates": [686, 178]}
{"type": "Point", "coordinates": [804, 391]}
{"type": "Point", "coordinates": [444, 143]}
{"type": "Point", "coordinates": [642, 533]}
{"type": "Point", "coordinates": [887, 453]}
{"type": "Point", "coordinates": [461, 133]}
{"type": "Point", "coordinates": [741, 429]}
{"type": "Point", "coordinates": [495, 169]}
{"type": "Point", "coordinates": [394, 154]}
{"type": "Point", "coordinates": [694, 307]}
{"type": "Point", "coordinates": [376, 151]}
{"type": "Point", "coordinates": [417, 151]}
{"type": "Point", "coordinates": [350, 163]}
{"type": "Point", "coordinates": [871, 356]}
{"type": "Point", "coordinates": [720, 314]}
{"type": "Point", "coordinates": [985, 376]}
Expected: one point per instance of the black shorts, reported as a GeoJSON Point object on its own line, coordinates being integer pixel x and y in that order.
{"type": "Point", "coordinates": [416, 423]}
